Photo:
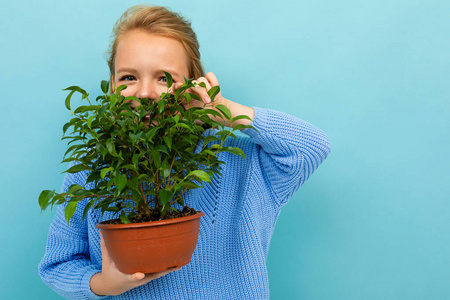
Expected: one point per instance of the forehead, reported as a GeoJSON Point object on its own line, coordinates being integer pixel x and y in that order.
{"type": "Point", "coordinates": [140, 49]}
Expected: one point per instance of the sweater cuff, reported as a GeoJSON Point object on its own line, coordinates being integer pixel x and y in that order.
{"type": "Point", "coordinates": [86, 285]}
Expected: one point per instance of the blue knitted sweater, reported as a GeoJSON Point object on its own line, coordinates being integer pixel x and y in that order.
{"type": "Point", "coordinates": [241, 210]}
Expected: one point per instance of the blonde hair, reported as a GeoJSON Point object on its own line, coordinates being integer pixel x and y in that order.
{"type": "Point", "coordinates": [160, 21]}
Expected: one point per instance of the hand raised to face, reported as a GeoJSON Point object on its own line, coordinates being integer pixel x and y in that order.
{"type": "Point", "coordinates": [210, 80]}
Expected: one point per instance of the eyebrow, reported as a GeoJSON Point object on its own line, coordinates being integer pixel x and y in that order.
{"type": "Point", "coordinates": [126, 70]}
{"type": "Point", "coordinates": [131, 70]}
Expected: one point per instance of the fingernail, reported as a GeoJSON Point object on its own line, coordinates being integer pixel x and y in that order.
{"type": "Point", "coordinates": [207, 100]}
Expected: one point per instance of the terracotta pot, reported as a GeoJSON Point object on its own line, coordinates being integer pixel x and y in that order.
{"type": "Point", "coordinates": [152, 246]}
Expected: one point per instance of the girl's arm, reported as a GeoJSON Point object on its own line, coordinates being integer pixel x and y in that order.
{"type": "Point", "coordinates": [66, 266]}
{"type": "Point", "coordinates": [290, 150]}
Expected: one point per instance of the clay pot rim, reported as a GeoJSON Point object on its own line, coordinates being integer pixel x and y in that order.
{"type": "Point", "coordinates": [199, 214]}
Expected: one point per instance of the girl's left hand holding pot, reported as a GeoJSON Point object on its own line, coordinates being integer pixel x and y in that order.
{"type": "Point", "coordinates": [110, 281]}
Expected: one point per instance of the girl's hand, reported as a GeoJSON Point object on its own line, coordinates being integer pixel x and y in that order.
{"type": "Point", "coordinates": [210, 80]}
{"type": "Point", "coordinates": [110, 281]}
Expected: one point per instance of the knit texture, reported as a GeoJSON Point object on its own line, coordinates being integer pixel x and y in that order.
{"type": "Point", "coordinates": [241, 210]}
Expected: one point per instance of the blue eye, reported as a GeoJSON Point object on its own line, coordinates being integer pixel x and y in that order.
{"type": "Point", "coordinates": [165, 79]}
{"type": "Point", "coordinates": [127, 78]}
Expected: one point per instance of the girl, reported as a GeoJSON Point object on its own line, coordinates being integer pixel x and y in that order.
{"type": "Point", "coordinates": [241, 207]}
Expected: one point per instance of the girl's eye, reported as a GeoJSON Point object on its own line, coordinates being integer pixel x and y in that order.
{"type": "Point", "coordinates": [164, 78]}
{"type": "Point", "coordinates": [127, 78]}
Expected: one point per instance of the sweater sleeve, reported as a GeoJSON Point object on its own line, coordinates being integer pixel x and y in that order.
{"type": "Point", "coordinates": [289, 151]}
{"type": "Point", "coordinates": [66, 266]}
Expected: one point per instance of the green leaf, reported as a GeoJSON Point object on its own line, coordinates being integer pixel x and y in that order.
{"type": "Point", "coordinates": [240, 126]}
{"type": "Point", "coordinates": [84, 108]}
{"type": "Point", "coordinates": [187, 97]}
{"type": "Point", "coordinates": [213, 92]}
{"type": "Point", "coordinates": [215, 147]}
{"type": "Point", "coordinates": [120, 88]}
{"type": "Point", "coordinates": [233, 150]}
{"type": "Point", "coordinates": [200, 174]}
{"type": "Point", "coordinates": [151, 133]}
{"type": "Point", "coordinates": [111, 148]}
{"type": "Point", "coordinates": [209, 112]}
{"type": "Point", "coordinates": [86, 209]}
{"type": "Point", "coordinates": [180, 201]}
{"type": "Point", "coordinates": [168, 141]}
{"type": "Point", "coordinates": [156, 158]}
{"type": "Point", "coordinates": [121, 181]}
{"type": "Point", "coordinates": [124, 218]}
{"type": "Point", "coordinates": [182, 125]}
{"type": "Point", "coordinates": [102, 111]}
{"type": "Point", "coordinates": [104, 171]}
{"type": "Point", "coordinates": [78, 168]}
{"type": "Point", "coordinates": [206, 151]}
{"type": "Point", "coordinates": [195, 96]}
{"type": "Point", "coordinates": [68, 160]}
{"type": "Point", "coordinates": [89, 121]}
{"type": "Point", "coordinates": [136, 196]}
{"type": "Point", "coordinates": [224, 110]}
{"type": "Point", "coordinates": [161, 148]}
{"type": "Point", "coordinates": [169, 79]}
{"type": "Point", "coordinates": [76, 89]}
{"type": "Point", "coordinates": [134, 137]}
{"type": "Point", "coordinates": [133, 183]}
{"type": "Point", "coordinates": [133, 98]}
{"type": "Point", "coordinates": [65, 127]}
{"type": "Point", "coordinates": [73, 188]}
{"type": "Point", "coordinates": [129, 167]}
{"type": "Point", "coordinates": [135, 158]}
{"type": "Point", "coordinates": [165, 195]}
{"type": "Point", "coordinates": [68, 99]}
{"type": "Point", "coordinates": [70, 209]}
{"type": "Point", "coordinates": [165, 168]}
{"type": "Point", "coordinates": [161, 105]}
{"type": "Point", "coordinates": [105, 86]}
{"type": "Point", "coordinates": [180, 90]}
{"type": "Point", "coordinates": [112, 101]}
{"type": "Point", "coordinates": [240, 117]}
{"type": "Point", "coordinates": [45, 197]}
{"type": "Point", "coordinates": [190, 185]}
{"type": "Point", "coordinates": [210, 138]}
{"type": "Point", "coordinates": [223, 134]}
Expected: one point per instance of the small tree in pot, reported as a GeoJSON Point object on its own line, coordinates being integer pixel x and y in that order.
{"type": "Point", "coordinates": [141, 161]}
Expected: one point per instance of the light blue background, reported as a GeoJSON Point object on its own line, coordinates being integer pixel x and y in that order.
{"type": "Point", "coordinates": [373, 222]}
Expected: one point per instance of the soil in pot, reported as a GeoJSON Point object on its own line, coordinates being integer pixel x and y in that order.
{"type": "Point", "coordinates": [187, 211]}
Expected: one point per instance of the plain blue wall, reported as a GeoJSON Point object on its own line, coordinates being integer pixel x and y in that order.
{"type": "Point", "coordinates": [371, 223]}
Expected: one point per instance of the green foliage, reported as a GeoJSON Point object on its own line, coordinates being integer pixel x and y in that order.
{"type": "Point", "coordinates": [144, 154]}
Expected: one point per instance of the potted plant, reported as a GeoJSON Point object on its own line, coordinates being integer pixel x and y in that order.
{"type": "Point", "coordinates": [141, 161]}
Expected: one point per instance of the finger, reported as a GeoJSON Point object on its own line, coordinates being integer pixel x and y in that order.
{"type": "Point", "coordinates": [201, 91]}
{"type": "Point", "coordinates": [212, 79]}
{"type": "Point", "coordinates": [175, 87]}
{"type": "Point", "coordinates": [205, 81]}
{"type": "Point", "coordinates": [156, 275]}
{"type": "Point", "coordinates": [136, 276]}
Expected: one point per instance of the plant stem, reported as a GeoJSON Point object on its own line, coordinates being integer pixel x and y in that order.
{"type": "Point", "coordinates": [146, 206]}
